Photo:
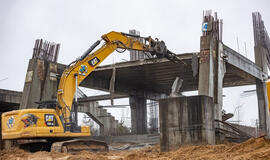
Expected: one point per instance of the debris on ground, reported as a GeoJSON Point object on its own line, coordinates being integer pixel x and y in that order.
{"type": "Point", "coordinates": [253, 149]}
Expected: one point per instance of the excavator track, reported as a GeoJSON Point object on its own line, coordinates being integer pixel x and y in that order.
{"type": "Point", "coordinates": [77, 145]}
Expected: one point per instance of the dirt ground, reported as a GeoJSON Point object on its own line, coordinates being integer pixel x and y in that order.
{"type": "Point", "coordinates": [252, 149]}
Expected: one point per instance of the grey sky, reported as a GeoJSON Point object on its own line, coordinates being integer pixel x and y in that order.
{"type": "Point", "coordinates": [77, 24]}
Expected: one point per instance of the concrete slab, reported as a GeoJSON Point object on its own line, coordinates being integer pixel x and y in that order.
{"type": "Point", "coordinates": [155, 76]}
{"type": "Point", "coordinates": [9, 100]}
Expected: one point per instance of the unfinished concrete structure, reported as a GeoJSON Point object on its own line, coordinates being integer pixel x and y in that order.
{"type": "Point", "coordinates": [214, 67]}
{"type": "Point", "coordinates": [155, 77]}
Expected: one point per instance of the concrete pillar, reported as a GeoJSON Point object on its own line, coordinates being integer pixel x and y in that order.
{"type": "Point", "coordinates": [40, 83]}
{"type": "Point", "coordinates": [104, 120]}
{"type": "Point", "coordinates": [49, 89]}
{"type": "Point", "coordinates": [263, 110]}
{"type": "Point", "coordinates": [186, 120]}
{"type": "Point", "coordinates": [212, 67]}
{"type": "Point", "coordinates": [211, 72]}
{"type": "Point", "coordinates": [92, 108]}
{"type": "Point", "coordinates": [137, 55]}
{"type": "Point", "coordinates": [109, 123]}
{"type": "Point", "coordinates": [113, 129]}
{"type": "Point", "coordinates": [138, 114]}
{"type": "Point", "coordinates": [33, 84]}
{"type": "Point", "coordinates": [98, 112]}
{"type": "Point", "coordinates": [117, 127]}
{"type": "Point", "coordinates": [206, 68]}
{"type": "Point", "coordinates": [218, 82]}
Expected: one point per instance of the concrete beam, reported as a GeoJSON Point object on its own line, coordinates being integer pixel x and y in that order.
{"type": "Point", "coordinates": [101, 97]}
{"type": "Point", "coordinates": [157, 75]}
{"type": "Point", "coordinates": [243, 63]}
{"type": "Point", "coordinates": [121, 88]}
{"type": "Point", "coordinates": [9, 100]}
{"type": "Point", "coordinates": [9, 96]}
{"type": "Point", "coordinates": [182, 56]}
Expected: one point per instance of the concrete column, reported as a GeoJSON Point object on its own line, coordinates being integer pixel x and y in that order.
{"type": "Point", "coordinates": [113, 128]}
{"type": "Point", "coordinates": [138, 114]}
{"type": "Point", "coordinates": [49, 89]}
{"type": "Point", "coordinates": [206, 67]}
{"type": "Point", "coordinates": [104, 118]}
{"type": "Point", "coordinates": [40, 83]}
{"type": "Point", "coordinates": [92, 108]}
{"type": "Point", "coordinates": [212, 66]}
{"type": "Point", "coordinates": [211, 71]}
{"type": "Point", "coordinates": [218, 87]}
{"type": "Point", "coordinates": [186, 120]}
{"type": "Point", "coordinates": [98, 112]}
{"type": "Point", "coordinates": [109, 123]}
{"type": "Point", "coordinates": [33, 84]}
{"type": "Point", "coordinates": [117, 127]}
{"type": "Point", "coordinates": [263, 110]}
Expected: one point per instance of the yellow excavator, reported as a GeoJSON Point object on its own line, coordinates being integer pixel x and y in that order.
{"type": "Point", "coordinates": [57, 122]}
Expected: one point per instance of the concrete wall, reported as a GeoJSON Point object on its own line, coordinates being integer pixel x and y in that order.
{"type": "Point", "coordinates": [186, 120]}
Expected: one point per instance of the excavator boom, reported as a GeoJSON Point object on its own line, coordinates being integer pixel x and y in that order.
{"type": "Point", "coordinates": [80, 69]}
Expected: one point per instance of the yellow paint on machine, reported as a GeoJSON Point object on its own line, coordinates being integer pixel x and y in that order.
{"type": "Point", "coordinates": [13, 125]}
{"type": "Point", "coordinates": [268, 93]}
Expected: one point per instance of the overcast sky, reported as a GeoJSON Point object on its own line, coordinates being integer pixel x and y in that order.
{"type": "Point", "coordinates": [76, 24]}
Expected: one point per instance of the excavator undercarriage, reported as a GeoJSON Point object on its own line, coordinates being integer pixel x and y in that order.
{"type": "Point", "coordinates": [77, 145]}
{"type": "Point", "coordinates": [63, 145]}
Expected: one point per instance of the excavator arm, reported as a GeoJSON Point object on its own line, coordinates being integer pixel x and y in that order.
{"type": "Point", "coordinates": [76, 72]}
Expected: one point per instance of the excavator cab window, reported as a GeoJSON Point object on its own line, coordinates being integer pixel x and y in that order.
{"type": "Point", "coordinates": [47, 104]}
